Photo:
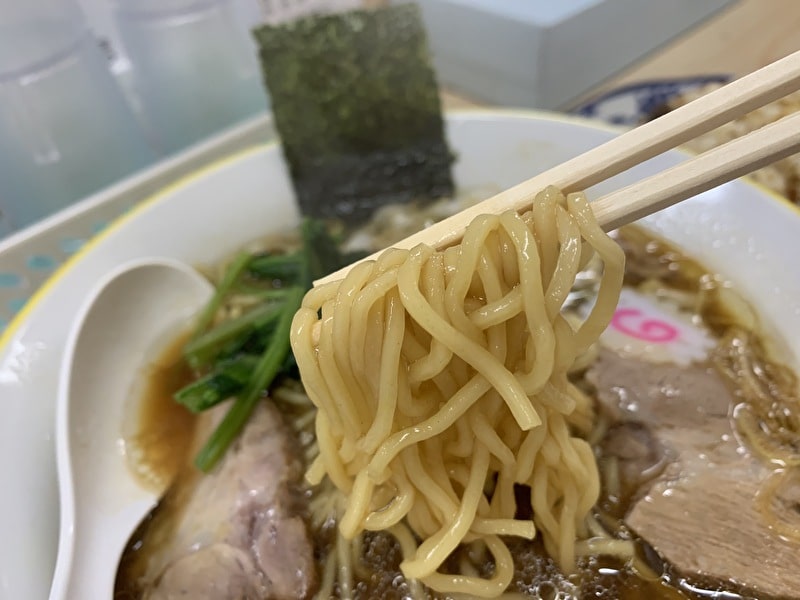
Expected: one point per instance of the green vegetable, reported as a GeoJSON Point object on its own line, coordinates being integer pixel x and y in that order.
{"type": "Point", "coordinates": [281, 267]}
{"type": "Point", "coordinates": [228, 281]}
{"type": "Point", "coordinates": [264, 373]}
{"type": "Point", "coordinates": [357, 106]}
{"type": "Point", "coordinates": [242, 357]}
{"type": "Point", "coordinates": [356, 103]}
{"type": "Point", "coordinates": [228, 378]}
{"type": "Point", "coordinates": [202, 349]}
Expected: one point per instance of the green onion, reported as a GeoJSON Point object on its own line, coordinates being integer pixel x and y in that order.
{"type": "Point", "coordinates": [203, 348]}
{"type": "Point", "coordinates": [228, 378]}
{"type": "Point", "coordinates": [268, 367]}
{"type": "Point", "coordinates": [258, 291]}
{"type": "Point", "coordinates": [229, 279]}
{"type": "Point", "coordinates": [246, 354]}
{"type": "Point", "coordinates": [283, 267]}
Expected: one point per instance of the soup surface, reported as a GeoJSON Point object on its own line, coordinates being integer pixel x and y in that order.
{"type": "Point", "coordinates": [695, 436]}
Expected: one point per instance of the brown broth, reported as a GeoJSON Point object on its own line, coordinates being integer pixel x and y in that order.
{"type": "Point", "coordinates": [164, 429]}
{"type": "Point", "coordinates": [158, 451]}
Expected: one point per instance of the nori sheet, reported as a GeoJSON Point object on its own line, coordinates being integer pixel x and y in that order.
{"type": "Point", "coordinates": [357, 107]}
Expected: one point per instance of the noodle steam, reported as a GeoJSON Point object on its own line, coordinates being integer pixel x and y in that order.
{"type": "Point", "coordinates": [440, 379]}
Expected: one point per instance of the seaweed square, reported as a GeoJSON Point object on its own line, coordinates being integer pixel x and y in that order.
{"type": "Point", "coordinates": [355, 101]}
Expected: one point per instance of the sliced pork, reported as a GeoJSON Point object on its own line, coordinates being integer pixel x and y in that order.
{"type": "Point", "coordinates": [699, 511]}
{"type": "Point", "coordinates": [241, 533]}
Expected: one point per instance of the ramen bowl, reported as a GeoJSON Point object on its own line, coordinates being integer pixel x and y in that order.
{"type": "Point", "coordinates": [737, 230]}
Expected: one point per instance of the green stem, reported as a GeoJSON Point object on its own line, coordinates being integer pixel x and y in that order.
{"type": "Point", "coordinates": [203, 348]}
{"type": "Point", "coordinates": [228, 378]}
{"type": "Point", "coordinates": [229, 279]}
{"type": "Point", "coordinates": [284, 267]}
{"type": "Point", "coordinates": [268, 367]}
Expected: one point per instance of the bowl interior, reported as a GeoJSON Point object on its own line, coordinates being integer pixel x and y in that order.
{"type": "Point", "coordinates": [736, 230]}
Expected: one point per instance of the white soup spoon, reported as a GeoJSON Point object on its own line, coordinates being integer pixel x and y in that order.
{"type": "Point", "coordinates": [112, 339]}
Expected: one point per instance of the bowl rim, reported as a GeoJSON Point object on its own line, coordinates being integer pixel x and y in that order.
{"type": "Point", "coordinates": [10, 332]}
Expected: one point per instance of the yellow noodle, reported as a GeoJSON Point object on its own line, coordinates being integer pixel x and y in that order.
{"type": "Point", "coordinates": [368, 316]}
{"type": "Point", "coordinates": [489, 438]}
{"type": "Point", "coordinates": [434, 362]}
{"type": "Point", "coordinates": [347, 411]}
{"type": "Point", "coordinates": [477, 587]}
{"type": "Point", "coordinates": [497, 312]}
{"type": "Point", "coordinates": [391, 515]}
{"type": "Point", "coordinates": [316, 472]}
{"type": "Point", "coordinates": [437, 496]}
{"type": "Point", "coordinates": [389, 367]}
{"type": "Point", "coordinates": [358, 507]}
{"type": "Point", "coordinates": [344, 556]}
{"type": "Point", "coordinates": [623, 549]}
{"type": "Point", "coordinates": [434, 550]}
{"type": "Point", "coordinates": [515, 527]}
{"type": "Point", "coordinates": [346, 295]}
{"type": "Point", "coordinates": [331, 460]}
{"type": "Point", "coordinates": [440, 379]}
{"type": "Point", "coordinates": [314, 382]}
{"type": "Point", "coordinates": [435, 425]}
{"type": "Point", "coordinates": [461, 446]}
{"type": "Point", "coordinates": [767, 496]}
{"type": "Point", "coordinates": [328, 579]}
{"type": "Point", "coordinates": [408, 546]}
{"type": "Point", "coordinates": [471, 352]}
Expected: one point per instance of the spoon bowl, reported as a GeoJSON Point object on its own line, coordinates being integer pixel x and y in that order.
{"type": "Point", "coordinates": [102, 500]}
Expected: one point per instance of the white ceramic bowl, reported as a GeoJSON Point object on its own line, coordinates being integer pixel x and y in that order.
{"type": "Point", "coordinates": [737, 230]}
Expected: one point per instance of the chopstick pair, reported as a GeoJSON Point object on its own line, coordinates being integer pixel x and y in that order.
{"type": "Point", "coordinates": [691, 177]}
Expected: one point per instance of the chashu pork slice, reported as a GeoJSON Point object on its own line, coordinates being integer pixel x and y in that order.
{"type": "Point", "coordinates": [238, 532]}
{"type": "Point", "coordinates": [697, 507]}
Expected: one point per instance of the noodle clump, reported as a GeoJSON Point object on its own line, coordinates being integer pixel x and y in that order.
{"type": "Point", "coordinates": [440, 379]}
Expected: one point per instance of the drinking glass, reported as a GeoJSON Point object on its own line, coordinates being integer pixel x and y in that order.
{"type": "Point", "coordinates": [66, 129]}
{"type": "Point", "coordinates": [194, 67]}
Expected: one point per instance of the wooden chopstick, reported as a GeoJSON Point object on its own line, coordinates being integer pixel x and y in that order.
{"type": "Point", "coordinates": [699, 174]}
{"type": "Point", "coordinates": [640, 144]}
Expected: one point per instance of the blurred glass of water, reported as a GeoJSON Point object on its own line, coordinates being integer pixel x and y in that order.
{"type": "Point", "coordinates": [66, 129]}
{"type": "Point", "coordinates": [194, 67]}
